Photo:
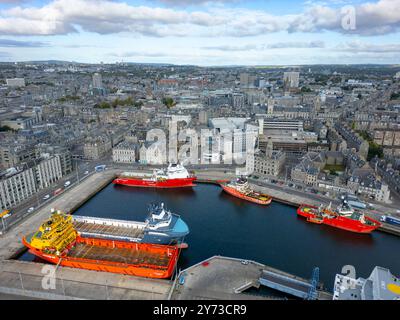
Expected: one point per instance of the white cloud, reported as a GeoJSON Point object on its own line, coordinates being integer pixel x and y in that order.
{"type": "Point", "coordinates": [276, 45]}
{"type": "Point", "coordinates": [195, 2]}
{"type": "Point", "coordinates": [107, 17]}
{"type": "Point", "coordinates": [363, 47]}
{"type": "Point", "coordinates": [8, 43]}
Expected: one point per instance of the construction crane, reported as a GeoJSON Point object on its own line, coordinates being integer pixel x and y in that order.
{"type": "Point", "coordinates": [312, 293]}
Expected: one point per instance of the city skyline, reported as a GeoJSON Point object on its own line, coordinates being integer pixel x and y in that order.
{"type": "Point", "coordinates": [224, 32]}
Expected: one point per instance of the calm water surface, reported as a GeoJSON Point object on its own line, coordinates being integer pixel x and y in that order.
{"type": "Point", "coordinates": [223, 225]}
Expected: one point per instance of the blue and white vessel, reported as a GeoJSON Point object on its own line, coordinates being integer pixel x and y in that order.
{"type": "Point", "coordinates": [161, 227]}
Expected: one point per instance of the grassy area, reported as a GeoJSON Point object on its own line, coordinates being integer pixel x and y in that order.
{"type": "Point", "coordinates": [334, 167]}
{"type": "Point", "coordinates": [374, 149]}
{"type": "Point", "coordinates": [6, 128]}
{"type": "Point", "coordinates": [395, 96]}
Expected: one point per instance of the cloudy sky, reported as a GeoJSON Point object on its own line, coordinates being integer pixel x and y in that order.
{"type": "Point", "coordinates": [202, 32]}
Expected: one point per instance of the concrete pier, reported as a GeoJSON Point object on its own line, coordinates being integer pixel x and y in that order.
{"type": "Point", "coordinates": [34, 280]}
{"type": "Point", "coordinates": [296, 200]}
{"type": "Point", "coordinates": [224, 278]}
{"type": "Point", "coordinates": [220, 278]}
{"type": "Point", "coordinates": [25, 278]}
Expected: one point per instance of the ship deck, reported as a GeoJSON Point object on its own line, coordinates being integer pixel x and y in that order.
{"type": "Point", "coordinates": [120, 255]}
{"type": "Point", "coordinates": [108, 230]}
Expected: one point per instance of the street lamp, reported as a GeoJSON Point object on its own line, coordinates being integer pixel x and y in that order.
{"type": "Point", "coordinates": [36, 187]}
{"type": "Point", "coordinates": [76, 168]}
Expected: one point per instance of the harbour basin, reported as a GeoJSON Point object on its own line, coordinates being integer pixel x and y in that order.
{"type": "Point", "coordinates": [273, 235]}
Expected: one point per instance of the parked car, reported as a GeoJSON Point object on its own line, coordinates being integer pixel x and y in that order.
{"type": "Point", "coordinates": [100, 168]}
{"type": "Point", "coordinates": [86, 172]}
{"type": "Point", "coordinates": [66, 184]}
{"type": "Point", "coordinates": [46, 197]}
{"type": "Point", "coordinates": [58, 191]}
{"type": "Point", "coordinates": [31, 209]}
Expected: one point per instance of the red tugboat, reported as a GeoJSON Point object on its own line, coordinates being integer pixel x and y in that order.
{"type": "Point", "coordinates": [240, 188]}
{"type": "Point", "coordinates": [344, 218]}
{"type": "Point", "coordinates": [175, 176]}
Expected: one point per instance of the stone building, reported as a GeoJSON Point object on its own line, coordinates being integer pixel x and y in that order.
{"type": "Point", "coordinates": [124, 152]}
{"type": "Point", "coordinates": [97, 148]}
{"type": "Point", "coordinates": [269, 163]}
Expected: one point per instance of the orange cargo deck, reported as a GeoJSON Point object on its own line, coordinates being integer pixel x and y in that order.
{"type": "Point", "coordinates": [138, 259]}
{"type": "Point", "coordinates": [120, 255]}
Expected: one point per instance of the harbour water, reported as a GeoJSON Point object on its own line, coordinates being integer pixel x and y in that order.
{"type": "Point", "coordinates": [223, 225]}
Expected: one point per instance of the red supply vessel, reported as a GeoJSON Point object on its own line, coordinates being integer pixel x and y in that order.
{"type": "Point", "coordinates": [175, 176]}
{"type": "Point", "coordinates": [240, 188]}
{"type": "Point", "coordinates": [343, 218]}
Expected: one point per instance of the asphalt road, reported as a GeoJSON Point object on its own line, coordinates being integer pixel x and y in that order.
{"type": "Point", "coordinates": [376, 212]}
{"type": "Point", "coordinates": [21, 211]}
{"type": "Point", "coordinates": [295, 191]}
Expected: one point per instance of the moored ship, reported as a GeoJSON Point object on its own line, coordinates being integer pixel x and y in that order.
{"type": "Point", "coordinates": [240, 188]}
{"type": "Point", "coordinates": [343, 218]}
{"type": "Point", "coordinates": [175, 176]}
{"type": "Point", "coordinates": [161, 227]}
{"type": "Point", "coordinates": [58, 242]}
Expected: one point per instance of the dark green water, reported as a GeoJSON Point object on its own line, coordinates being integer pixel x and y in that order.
{"type": "Point", "coordinates": [274, 235]}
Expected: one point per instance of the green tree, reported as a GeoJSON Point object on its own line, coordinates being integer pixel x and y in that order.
{"type": "Point", "coordinates": [103, 105]}
{"type": "Point", "coordinates": [115, 103]}
{"type": "Point", "coordinates": [6, 128]}
{"type": "Point", "coordinates": [395, 96]}
{"type": "Point", "coordinates": [374, 150]}
{"type": "Point", "coordinates": [169, 102]}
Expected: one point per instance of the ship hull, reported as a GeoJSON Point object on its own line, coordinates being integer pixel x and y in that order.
{"type": "Point", "coordinates": [148, 183]}
{"type": "Point", "coordinates": [339, 222]}
{"type": "Point", "coordinates": [141, 265]}
{"type": "Point", "coordinates": [240, 195]}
